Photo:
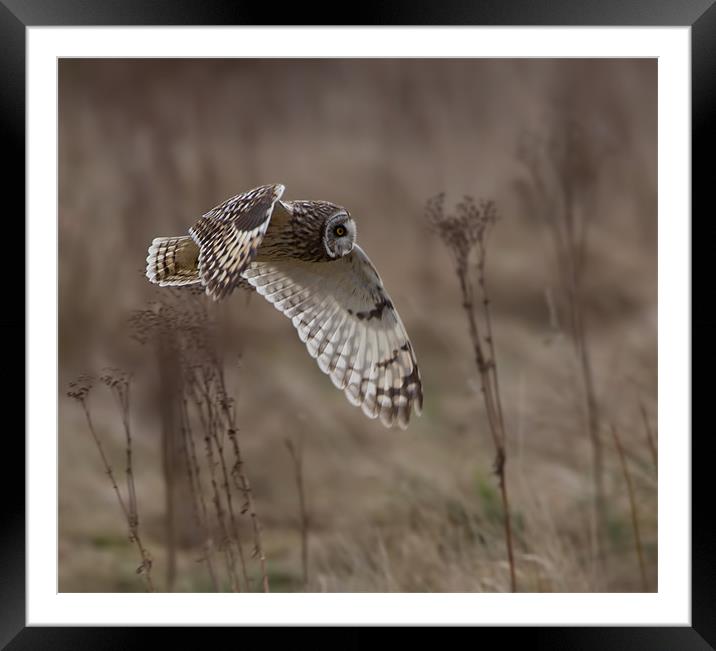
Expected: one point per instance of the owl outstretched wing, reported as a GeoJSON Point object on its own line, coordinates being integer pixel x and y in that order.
{"type": "Point", "coordinates": [228, 236]}
{"type": "Point", "coordinates": [350, 326]}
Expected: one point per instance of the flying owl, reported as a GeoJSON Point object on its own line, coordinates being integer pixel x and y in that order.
{"type": "Point", "coordinates": [302, 257]}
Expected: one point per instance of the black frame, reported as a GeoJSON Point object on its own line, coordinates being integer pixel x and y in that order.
{"type": "Point", "coordinates": [16, 15]}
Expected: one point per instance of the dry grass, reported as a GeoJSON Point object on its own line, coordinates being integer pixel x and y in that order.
{"type": "Point", "coordinates": [146, 147]}
{"type": "Point", "coordinates": [296, 453]}
{"type": "Point", "coordinates": [563, 167]}
{"type": "Point", "coordinates": [118, 384]}
{"type": "Point", "coordinates": [180, 329]}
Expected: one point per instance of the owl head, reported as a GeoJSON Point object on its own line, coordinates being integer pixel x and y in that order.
{"type": "Point", "coordinates": [339, 234]}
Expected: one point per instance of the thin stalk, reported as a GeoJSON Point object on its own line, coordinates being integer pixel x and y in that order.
{"type": "Point", "coordinates": [297, 458]}
{"type": "Point", "coordinates": [632, 506]}
{"type": "Point", "coordinates": [120, 390]}
{"type": "Point", "coordinates": [242, 483]}
{"type": "Point", "coordinates": [649, 435]}
{"type": "Point", "coordinates": [493, 414]}
{"type": "Point", "coordinates": [197, 492]}
{"type": "Point", "coordinates": [241, 480]}
{"type": "Point", "coordinates": [208, 424]}
{"type": "Point", "coordinates": [105, 461]}
{"type": "Point", "coordinates": [210, 398]}
{"type": "Point", "coordinates": [132, 520]}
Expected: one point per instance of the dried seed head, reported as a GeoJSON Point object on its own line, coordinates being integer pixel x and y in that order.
{"type": "Point", "coordinates": [115, 378]}
{"type": "Point", "coordinates": [80, 388]}
{"type": "Point", "coordinates": [463, 229]}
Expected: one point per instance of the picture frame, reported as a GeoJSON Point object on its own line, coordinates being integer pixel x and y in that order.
{"type": "Point", "coordinates": [17, 15]}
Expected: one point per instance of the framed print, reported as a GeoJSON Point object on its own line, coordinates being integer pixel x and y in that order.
{"type": "Point", "coordinates": [471, 404]}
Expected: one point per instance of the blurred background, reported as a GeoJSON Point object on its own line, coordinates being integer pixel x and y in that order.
{"type": "Point", "coordinates": [567, 151]}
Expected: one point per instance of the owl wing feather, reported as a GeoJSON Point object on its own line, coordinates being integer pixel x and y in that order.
{"type": "Point", "coordinates": [229, 235]}
{"type": "Point", "coordinates": [349, 325]}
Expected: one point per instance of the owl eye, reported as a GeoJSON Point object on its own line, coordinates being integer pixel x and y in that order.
{"type": "Point", "coordinates": [339, 231]}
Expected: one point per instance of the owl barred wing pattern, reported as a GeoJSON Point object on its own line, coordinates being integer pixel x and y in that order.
{"type": "Point", "coordinates": [349, 325]}
{"type": "Point", "coordinates": [228, 236]}
{"type": "Point", "coordinates": [301, 256]}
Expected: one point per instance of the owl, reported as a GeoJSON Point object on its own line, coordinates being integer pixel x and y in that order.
{"type": "Point", "coordinates": [302, 257]}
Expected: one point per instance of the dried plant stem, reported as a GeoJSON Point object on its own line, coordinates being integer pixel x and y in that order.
{"type": "Point", "coordinates": [230, 507]}
{"type": "Point", "coordinates": [632, 506]}
{"type": "Point", "coordinates": [122, 397]}
{"type": "Point", "coordinates": [223, 401]}
{"type": "Point", "coordinates": [130, 513]}
{"type": "Point", "coordinates": [169, 392]}
{"type": "Point", "coordinates": [182, 328]}
{"type": "Point", "coordinates": [297, 458]}
{"type": "Point", "coordinates": [208, 423]}
{"type": "Point", "coordinates": [461, 233]}
{"type": "Point", "coordinates": [201, 515]}
{"type": "Point", "coordinates": [569, 239]}
{"type": "Point", "coordinates": [242, 483]}
{"type": "Point", "coordinates": [120, 390]}
{"type": "Point", "coordinates": [227, 490]}
{"type": "Point", "coordinates": [482, 261]}
{"type": "Point", "coordinates": [493, 407]}
{"type": "Point", "coordinates": [241, 480]}
{"type": "Point", "coordinates": [105, 461]}
{"type": "Point", "coordinates": [592, 409]}
{"type": "Point", "coordinates": [649, 435]}
{"type": "Point", "coordinates": [492, 374]}
{"type": "Point", "coordinates": [562, 172]}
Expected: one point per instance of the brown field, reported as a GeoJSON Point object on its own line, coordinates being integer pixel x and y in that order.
{"type": "Point", "coordinates": [567, 151]}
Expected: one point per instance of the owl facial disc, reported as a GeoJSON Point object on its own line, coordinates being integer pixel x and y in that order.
{"type": "Point", "coordinates": [339, 235]}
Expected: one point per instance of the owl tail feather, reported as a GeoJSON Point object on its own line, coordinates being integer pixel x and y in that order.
{"type": "Point", "coordinates": [173, 261]}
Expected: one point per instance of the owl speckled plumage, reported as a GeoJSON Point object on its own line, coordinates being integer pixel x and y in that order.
{"type": "Point", "coordinates": [302, 257]}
